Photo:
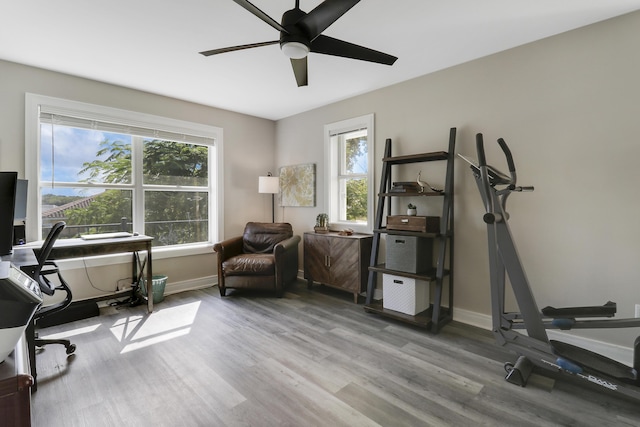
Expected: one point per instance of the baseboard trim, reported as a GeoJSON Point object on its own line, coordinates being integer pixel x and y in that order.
{"type": "Point", "coordinates": [170, 288]}
{"type": "Point", "coordinates": [613, 351]}
{"type": "Point", "coordinates": [190, 285]}
{"type": "Point", "coordinates": [472, 318]}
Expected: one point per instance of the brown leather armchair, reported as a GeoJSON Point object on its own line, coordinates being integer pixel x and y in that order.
{"type": "Point", "coordinates": [264, 257]}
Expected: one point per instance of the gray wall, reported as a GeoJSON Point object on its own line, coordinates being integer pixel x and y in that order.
{"type": "Point", "coordinates": [242, 134]}
{"type": "Point", "coordinates": [569, 108]}
{"type": "Point", "coordinates": [567, 105]}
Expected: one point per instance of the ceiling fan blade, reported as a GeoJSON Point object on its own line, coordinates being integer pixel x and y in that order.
{"type": "Point", "coordinates": [300, 70]}
{"type": "Point", "coordinates": [260, 14]}
{"type": "Point", "coordinates": [325, 14]}
{"type": "Point", "coordinates": [330, 46]}
{"type": "Point", "coordinates": [234, 48]}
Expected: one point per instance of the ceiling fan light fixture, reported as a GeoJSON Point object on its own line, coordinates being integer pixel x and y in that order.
{"type": "Point", "coordinates": [295, 50]}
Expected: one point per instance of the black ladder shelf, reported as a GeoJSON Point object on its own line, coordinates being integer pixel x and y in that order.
{"type": "Point", "coordinates": [437, 315]}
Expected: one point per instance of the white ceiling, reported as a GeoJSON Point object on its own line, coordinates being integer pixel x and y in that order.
{"type": "Point", "coordinates": [153, 45]}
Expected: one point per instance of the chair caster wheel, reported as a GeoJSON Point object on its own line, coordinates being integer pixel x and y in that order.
{"type": "Point", "coordinates": [71, 349]}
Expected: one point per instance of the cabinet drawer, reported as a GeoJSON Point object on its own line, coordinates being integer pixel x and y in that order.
{"type": "Point", "coordinates": [425, 224]}
{"type": "Point", "coordinates": [410, 254]}
{"type": "Point", "coordinates": [403, 294]}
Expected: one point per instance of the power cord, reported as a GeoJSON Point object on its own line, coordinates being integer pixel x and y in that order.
{"type": "Point", "coordinates": [86, 272]}
{"type": "Point", "coordinates": [132, 301]}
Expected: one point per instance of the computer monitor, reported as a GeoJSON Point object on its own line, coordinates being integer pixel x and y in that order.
{"type": "Point", "coordinates": [8, 183]}
{"type": "Point", "coordinates": [20, 213]}
{"type": "Point", "coordinates": [20, 210]}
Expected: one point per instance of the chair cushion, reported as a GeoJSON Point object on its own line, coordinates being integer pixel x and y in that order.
{"type": "Point", "coordinates": [250, 264]}
{"type": "Point", "coordinates": [261, 237]}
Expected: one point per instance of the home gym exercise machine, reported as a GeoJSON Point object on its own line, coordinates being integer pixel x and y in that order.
{"type": "Point", "coordinates": [535, 349]}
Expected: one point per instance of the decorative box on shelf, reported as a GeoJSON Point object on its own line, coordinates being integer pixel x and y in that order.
{"type": "Point", "coordinates": [410, 254]}
{"type": "Point", "coordinates": [425, 224]}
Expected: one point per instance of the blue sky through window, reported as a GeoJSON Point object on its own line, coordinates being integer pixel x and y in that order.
{"type": "Point", "coordinates": [360, 161]}
{"type": "Point", "coordinates": [72, 148]}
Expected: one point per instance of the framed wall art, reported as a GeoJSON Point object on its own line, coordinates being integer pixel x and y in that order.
{"type": "Point", "coordinates": [298, 185]}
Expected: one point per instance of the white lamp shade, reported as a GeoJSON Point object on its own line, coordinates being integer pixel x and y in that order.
{"type": "Point", "coordinates": [269, 184]}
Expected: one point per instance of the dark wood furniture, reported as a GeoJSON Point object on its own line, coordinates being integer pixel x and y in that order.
{"type": "Point", "coordinates": [15, 388]}
{"type": "Point", "coordinates": [337, 261]}
{"type": "Point", "coordinates": [436, 315]}
{"type": "Point", "coordinates": [79, 248]}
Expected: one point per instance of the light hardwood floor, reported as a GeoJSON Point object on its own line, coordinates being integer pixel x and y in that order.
{"type": "Point", "coordinates": [311, 358]}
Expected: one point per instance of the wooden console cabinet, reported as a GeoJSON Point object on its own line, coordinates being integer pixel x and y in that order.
{"type": "Point", "coordinates": [15, 388]}
{"type": "Point", "coordinates": [337, 261]}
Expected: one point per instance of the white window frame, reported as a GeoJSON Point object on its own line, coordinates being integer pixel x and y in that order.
{"type": "Point", "coordinates": [33, 105]}
{"type": "Point", "coordinates": [332, 170]}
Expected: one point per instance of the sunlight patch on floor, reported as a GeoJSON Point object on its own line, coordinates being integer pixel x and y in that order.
{"type": "Point", "coordinates": [155, 340]}
{"type": "Point", "coordinates": [70, 333]}
{"type": "Point", "coordinates": [162, 325]}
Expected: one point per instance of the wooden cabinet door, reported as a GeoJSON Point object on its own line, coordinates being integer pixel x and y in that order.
{"type": "Point", "coordinates": [316, 258]}
{"type": "Point", "coordinates": [345, 264]}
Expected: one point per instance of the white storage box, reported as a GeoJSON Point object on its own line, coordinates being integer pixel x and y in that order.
{"type": "Point", "coordinates": [404, 294]}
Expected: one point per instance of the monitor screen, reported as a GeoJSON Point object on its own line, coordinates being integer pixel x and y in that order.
{"type": "Point", "coordinates": [20, 211]}
{"type": "Point", "coordinates": [8, 181]}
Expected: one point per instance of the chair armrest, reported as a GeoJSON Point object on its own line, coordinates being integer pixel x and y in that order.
{"type": "Point", "coordinates": [286, 259]}
{"type": "Point", "coordinates": [228, 248]}
{"type": "Point", "coordinates": [286, 246]}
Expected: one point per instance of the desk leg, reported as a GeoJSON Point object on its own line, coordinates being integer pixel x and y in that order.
{"type": "Point", "coordinates": [149, 280]}
{"type": "Point", "coordinates": [134, 270]}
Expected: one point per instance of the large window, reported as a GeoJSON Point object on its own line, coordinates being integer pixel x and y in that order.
{"type": "Point", "coordinates": [349, 151]}
{"type": "Point", "coordinates": [102, 170]}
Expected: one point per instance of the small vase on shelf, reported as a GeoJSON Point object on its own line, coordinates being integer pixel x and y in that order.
{"type": "Point", "coordinates": [412, 210]}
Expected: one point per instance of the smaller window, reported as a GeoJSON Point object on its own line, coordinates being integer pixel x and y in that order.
{"type": "Point", "coordinates": [349, 149]}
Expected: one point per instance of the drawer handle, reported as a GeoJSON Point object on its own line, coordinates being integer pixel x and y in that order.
{"type": "Point", "coordinates": [400, 282]}
{"type": "Point", "coordinates": [405, 220]}
{"type": "Point", "coordinates": [400, 241]}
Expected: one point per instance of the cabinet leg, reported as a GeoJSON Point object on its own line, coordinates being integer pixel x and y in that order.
{"type": "Point", "coordinates": [309, 283]}
{"type": "Point", "coordinates": [355, 297]}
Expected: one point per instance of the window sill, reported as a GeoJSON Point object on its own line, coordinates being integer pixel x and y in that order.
{"type": "Point", "coordinates": [357, 228]}
{"type": "Point", "coordinates": [125, 258]}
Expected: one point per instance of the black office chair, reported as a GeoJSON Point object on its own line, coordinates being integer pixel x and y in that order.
{"type": "Point", "coordinates": [39, 273]}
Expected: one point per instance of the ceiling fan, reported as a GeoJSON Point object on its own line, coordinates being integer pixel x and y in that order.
{"type": "Point", "coordinates": [300, 33]}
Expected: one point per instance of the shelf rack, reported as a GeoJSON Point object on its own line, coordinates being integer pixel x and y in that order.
{"type": "Point", "coordinates": [436, 315]}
